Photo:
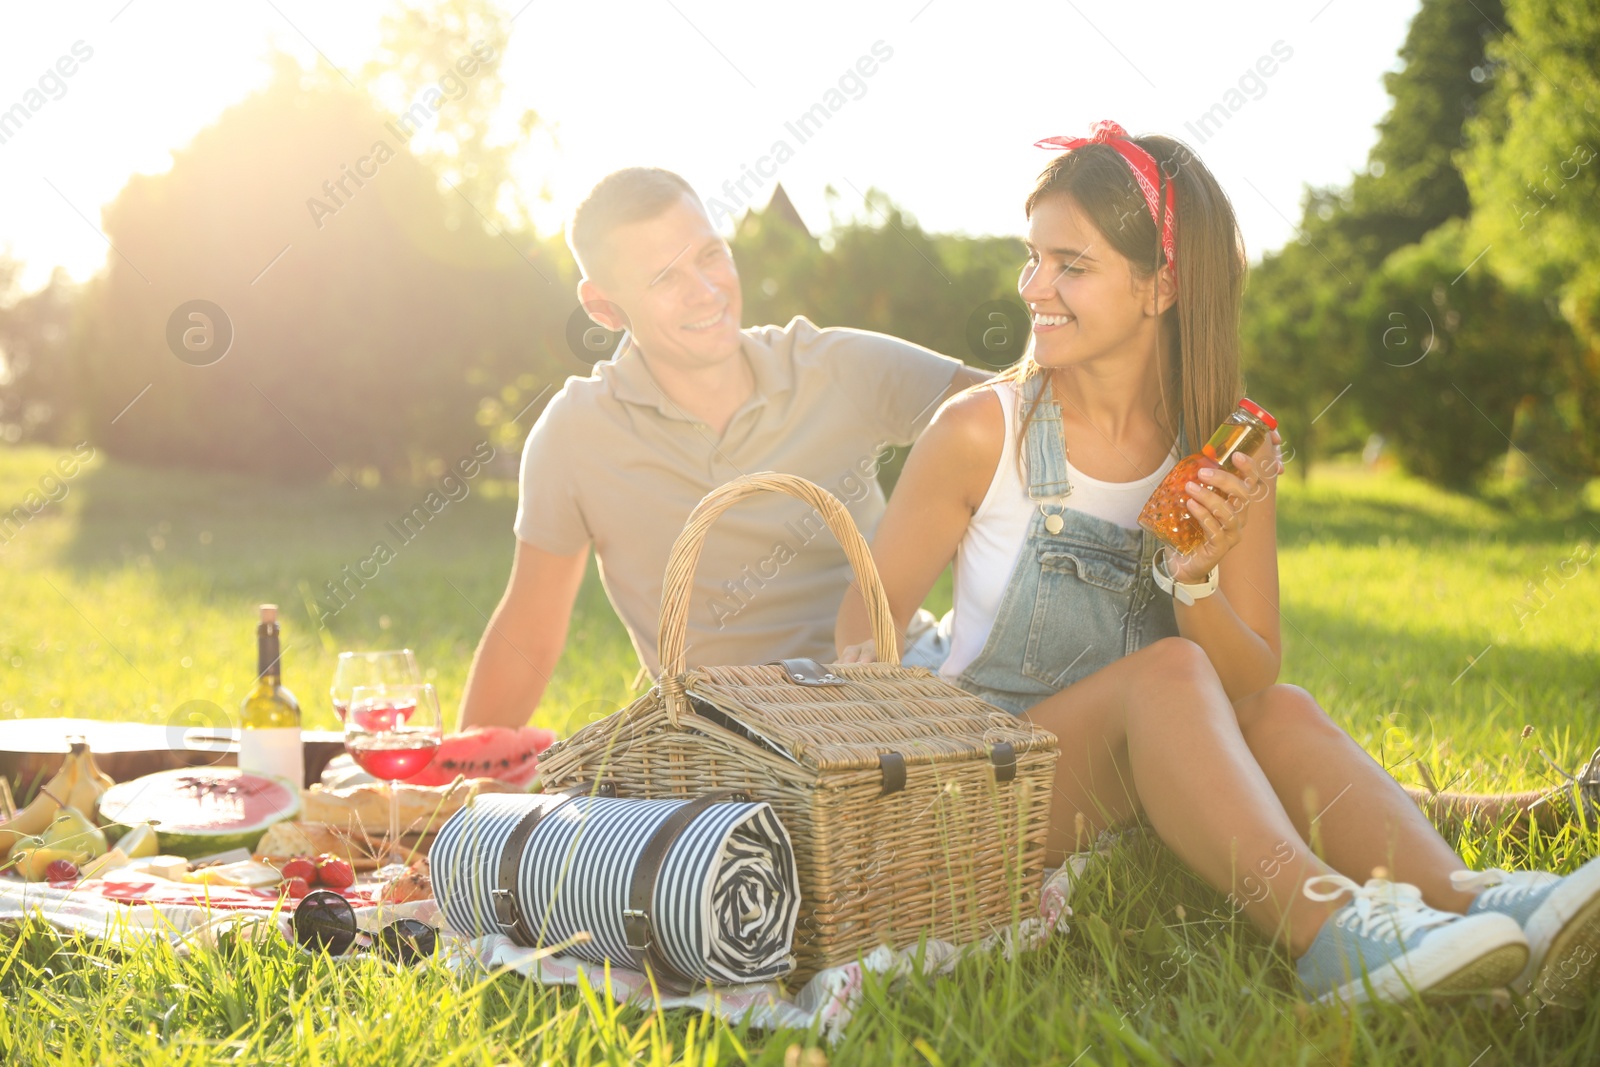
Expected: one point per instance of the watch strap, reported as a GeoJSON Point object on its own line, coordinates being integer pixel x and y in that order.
{"type": "Point", "coordinates": [1185, 593]}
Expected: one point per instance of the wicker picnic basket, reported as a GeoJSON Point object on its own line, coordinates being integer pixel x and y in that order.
{"type": "Point", "coordinates": [915, 808]}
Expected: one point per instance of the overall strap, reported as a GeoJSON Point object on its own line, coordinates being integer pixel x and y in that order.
{"type": "Point", "coordinates": [1046, 456]}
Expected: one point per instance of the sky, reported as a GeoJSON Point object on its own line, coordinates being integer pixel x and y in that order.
{"type": "Point", "coordinates": [936, 102]}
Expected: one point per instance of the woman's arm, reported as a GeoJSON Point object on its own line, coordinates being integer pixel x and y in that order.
{"type": "Point", "coordinates": [1238, 624]}
{"type": "Point", "coordinates": [944, 480]}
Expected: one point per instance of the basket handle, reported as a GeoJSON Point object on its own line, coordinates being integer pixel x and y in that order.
{"type": "Point", "coordinates": [681, 564]}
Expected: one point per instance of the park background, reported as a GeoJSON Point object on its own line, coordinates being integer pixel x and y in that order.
{"type": "Point", "coordinates": [1425, 326]}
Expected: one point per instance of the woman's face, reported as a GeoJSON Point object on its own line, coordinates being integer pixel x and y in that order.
{"type": "Point", "coordinates": [1087, 303]}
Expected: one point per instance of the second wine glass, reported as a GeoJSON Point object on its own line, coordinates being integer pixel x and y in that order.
{"type": "Point", "coordinates": [392, 732]}
{"type": "Point", "coordinates": [390, 667]}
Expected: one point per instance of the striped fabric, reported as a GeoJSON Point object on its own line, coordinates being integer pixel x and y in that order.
{"type": "Point", "coordinates": [725, 903]}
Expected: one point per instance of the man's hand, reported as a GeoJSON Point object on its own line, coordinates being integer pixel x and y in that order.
{"type": "Point", "coordinates": [524, 639]}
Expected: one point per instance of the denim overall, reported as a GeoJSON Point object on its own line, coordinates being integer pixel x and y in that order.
{"type": "Point", "coordinates": [1079, 598]}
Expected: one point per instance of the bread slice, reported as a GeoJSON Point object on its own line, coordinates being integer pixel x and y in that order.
{"type": "Point", "coordinates": [423, 809]}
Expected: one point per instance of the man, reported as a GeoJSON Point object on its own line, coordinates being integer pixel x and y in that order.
{"type": "Point", "coordinates": [689, 402]}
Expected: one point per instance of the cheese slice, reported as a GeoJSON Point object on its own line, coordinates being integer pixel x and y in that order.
{"type": "Point", "coordinates": [108, 862]}
{"type": "Point", "coordinates": [172, 868]}
{"type": "Point", "coordinates": [247, 874]}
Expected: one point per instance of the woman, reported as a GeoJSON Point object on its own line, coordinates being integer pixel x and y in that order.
{"type": "Point", "coordinates": [1157, 673]}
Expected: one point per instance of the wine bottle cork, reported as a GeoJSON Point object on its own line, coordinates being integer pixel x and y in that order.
{"type": "Point", "coordinates": [269, 613]}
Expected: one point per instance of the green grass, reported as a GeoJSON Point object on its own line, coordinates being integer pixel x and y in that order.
{"type": "Point", "coordinates": [134, 596]}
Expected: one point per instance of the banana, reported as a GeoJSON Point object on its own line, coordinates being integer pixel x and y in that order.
{"type": "Point", "coordinates": [37, 816]}
{"type": "Point", "coordinates": [92, 781]}
{"type": "Point", "coordinates": [78, 784]}
{"type": "Point", "coordinates": [80, 749]}
{"type": "Point", "coordinates": [85, 795]}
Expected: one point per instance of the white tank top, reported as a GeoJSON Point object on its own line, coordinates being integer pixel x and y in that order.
{"type": "Point", "coordinates": [988, 551]}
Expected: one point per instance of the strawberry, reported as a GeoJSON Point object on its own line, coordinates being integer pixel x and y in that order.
{"type": "Point", "coordinates": [300, 867]}
{"type": "Point", "coordinates": [296, 887]}
{"type": "Point", "coordinates": [335, 873]}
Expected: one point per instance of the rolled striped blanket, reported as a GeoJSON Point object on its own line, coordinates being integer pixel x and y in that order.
{"type": "Point", "coordinates": [722, 900]}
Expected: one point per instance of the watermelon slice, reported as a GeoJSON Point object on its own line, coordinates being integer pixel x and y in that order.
{"type": "Point", "coordinates": [200, 810]}
{"type": "Point", "coordinates": [486, 752]}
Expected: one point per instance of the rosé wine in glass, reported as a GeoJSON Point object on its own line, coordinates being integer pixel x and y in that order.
{"type": "Point", "coordinates": [394, 756]}
{"type": "Point", "coordinates": [392, 732]}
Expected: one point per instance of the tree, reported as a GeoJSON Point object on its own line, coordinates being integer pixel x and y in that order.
{"type": "Point", "coordinates": [1533, 166]}
{"type": "Point", "coordinates": [1412, 182]}
{"type": "Point", "coordinates": [445, 55]}
{"type": "Point", "coordinates": [881, 271]}
{"type": "Point", "coordinates": [1300, 343]}
{"type": "Point", "coordinates": [1304, 338]}
{"type": "Point", "coordinates": [37, 383]}
{"type": "Point", "coordinates": [1453, 357]}
{"type": "Point", "coordinates": [359, 316]}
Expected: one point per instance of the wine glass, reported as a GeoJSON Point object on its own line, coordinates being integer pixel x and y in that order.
{"type": "Point", "coordinates": [395, 667]}
{"type": "Point", "coordinates": [392, 732]}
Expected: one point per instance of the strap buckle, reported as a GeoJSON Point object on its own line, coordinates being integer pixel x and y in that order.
{"type": "Point", "coordinates": [506, 915]}
{"type": "Point", "coordinates": [804, 671]}
{"type": "Point", "coordinates": [638, 933]}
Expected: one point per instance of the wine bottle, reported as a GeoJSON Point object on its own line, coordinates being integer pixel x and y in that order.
{"type": "Point", "coordinates": [269, 738]}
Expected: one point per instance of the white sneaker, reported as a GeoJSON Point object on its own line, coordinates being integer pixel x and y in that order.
{"type": "Point", "coordinates": [1387, 945]}
{"type": "Point", "coordinates": [1560, 916]}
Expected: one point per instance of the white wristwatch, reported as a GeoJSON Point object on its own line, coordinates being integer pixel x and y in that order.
{"type": "Point", "coordinates": [1184, 592]}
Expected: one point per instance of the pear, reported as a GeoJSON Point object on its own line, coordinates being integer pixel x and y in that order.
{"type": "Point", "coordinates": [32, 857]}
{"type": "Point", "coordinates": [21, 848]}
{"type": "Point", "coordinates": [75, 834]}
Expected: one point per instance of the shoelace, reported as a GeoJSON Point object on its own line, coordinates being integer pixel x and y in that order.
{"type": "Point", "coordinates": [1496, 884]}
{"type": "Point", "coordinates": [1381, 908]}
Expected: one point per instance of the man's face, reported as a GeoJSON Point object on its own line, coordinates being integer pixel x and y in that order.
{"type": "Point", "coordinates": [674, 279]}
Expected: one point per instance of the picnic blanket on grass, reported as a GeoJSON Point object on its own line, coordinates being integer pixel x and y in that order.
{"type": "Point", "coordinates": [136, 912]}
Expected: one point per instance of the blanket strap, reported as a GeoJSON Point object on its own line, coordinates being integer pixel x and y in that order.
{"type": "Point", "coordinates": [637, 924]}
{"type": "Point", "coordinates": [507, 915]}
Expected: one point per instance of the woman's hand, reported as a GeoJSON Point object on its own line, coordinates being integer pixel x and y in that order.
{"type": "Point", "coordinates": [1220, 502]}
{"type": "Point", "coordinates": [865, 652]}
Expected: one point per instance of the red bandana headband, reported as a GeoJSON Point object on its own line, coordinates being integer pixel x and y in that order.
{"type": "Point", "coordinates": [1145, 172]}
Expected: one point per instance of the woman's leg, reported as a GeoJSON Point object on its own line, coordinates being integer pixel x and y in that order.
{"type": "Point", "coordinates": [1364, 819]}
{"type": "Point", "coordinates": [1155, 732]}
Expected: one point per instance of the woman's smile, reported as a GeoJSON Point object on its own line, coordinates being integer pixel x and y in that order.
{"type": "Point", "coordinates": [1045, 323]}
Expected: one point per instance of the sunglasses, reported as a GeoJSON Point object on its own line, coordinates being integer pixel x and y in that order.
{"type": "Point", "coordinates": [324, 921]}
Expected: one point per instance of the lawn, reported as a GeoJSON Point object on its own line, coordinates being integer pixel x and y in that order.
{"type": "Point", "coordinates": [1406, 610]}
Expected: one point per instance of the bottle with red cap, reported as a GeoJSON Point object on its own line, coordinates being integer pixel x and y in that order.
{"type": "Point", "coordinates": [1166, 514]}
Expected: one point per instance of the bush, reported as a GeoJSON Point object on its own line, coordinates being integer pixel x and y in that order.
{"type": "Point", "coordinates": [1458, 365]}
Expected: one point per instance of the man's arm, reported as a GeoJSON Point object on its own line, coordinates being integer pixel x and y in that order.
{"type": "Point", "coordinates": [965, 378]}
{"type": "Point", "coordinates": [524, 638]}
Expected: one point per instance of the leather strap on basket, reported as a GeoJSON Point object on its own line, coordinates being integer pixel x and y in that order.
{"type": "Point", "coordinates": [507, 915]}
{"type": "Point", "coordinates": [638, 923]}
{"type": "Point", "coordinates": [1004, 758]}
{"type": "Point", "coordinates": [679, 581]}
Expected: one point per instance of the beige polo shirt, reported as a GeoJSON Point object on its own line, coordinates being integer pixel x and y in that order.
{"type": "Point", "coordinates": [612, 461]}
